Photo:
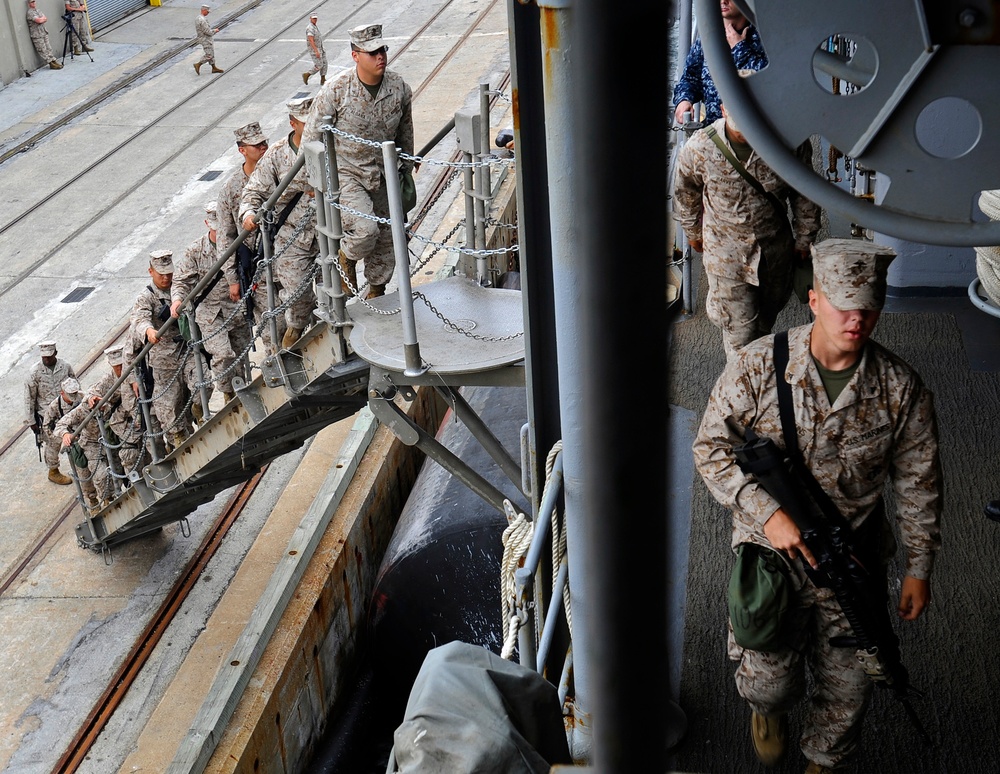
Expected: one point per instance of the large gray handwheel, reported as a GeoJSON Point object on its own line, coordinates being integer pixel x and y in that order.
{"type": "Point", "coordinates": [923, 114]}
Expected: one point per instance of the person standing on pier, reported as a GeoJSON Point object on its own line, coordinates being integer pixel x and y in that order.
{"type": "Point", "coordinates": [204, 35]}
{"type": "Point", "coordinates": [40, 389]}
{"type": "Point", "coordinates": [375, 104]}
{"type": "Point", "coordinates": [40, 36]}
{"type": "Point", "coordinates": [315, 42]}
{"type": "Point", "coordinates": [861, 418]}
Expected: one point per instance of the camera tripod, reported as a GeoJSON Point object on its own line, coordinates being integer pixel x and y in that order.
{"type": "Point", "coordinates": [70, 33]}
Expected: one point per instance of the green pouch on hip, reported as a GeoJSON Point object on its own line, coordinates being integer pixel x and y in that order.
{"type": "Point", "coordinates": [407, 190]}
{"type": "Point", "coordinates": [759, 597]}
{"type": "Point", "coordinates": [77, 455]}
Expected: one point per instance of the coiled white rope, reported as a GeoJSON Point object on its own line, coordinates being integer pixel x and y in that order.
{"type": "Point", "coordinates": [988, 258]}
{"type": "Point", "coordinates": [516, 542]}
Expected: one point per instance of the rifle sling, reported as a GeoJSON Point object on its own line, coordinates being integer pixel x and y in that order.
{"type": "Point", "coordinates": [753, 181]}
{"type": "Point", "coordinates": [822, 499]}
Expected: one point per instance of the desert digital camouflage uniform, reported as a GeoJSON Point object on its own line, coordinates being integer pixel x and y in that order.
{"type": "Point", "coordinates": [228, 202]}
{"type": "Point", "coordinates": [39, 36]}
{"type": "Point", "coordinates": [223, 329]}
{"type": "Point", "coordinates": [172, 369]}
{"type": "Point", "coordinates": [125, 420]}
{"type": "Point", "coordinates": [387, 116]}
{"type": "Point", "coordinates": [739, 228]}
{"type": "Point", "coordinates": [204, 37]}
{"type": "Point", "coordinates": [42, 387]}
{"type": "Point", "coordinates": [94, 479]}
{"type": "Point", "coordinates": [55, 411]}
{"type": "Point", "coordinates": [881, 428]}
{"type": "Point", "coordinates": [296, 258]}
{"type": "Point", "coordinates": [319, 62]}
{"type": "Point", "coordinates": [79, 10]}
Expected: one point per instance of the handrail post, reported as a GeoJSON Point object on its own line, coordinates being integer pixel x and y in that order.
{"type": "Point", "coordinates": [411, 349]}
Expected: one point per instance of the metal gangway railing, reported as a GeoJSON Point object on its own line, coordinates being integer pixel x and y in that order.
{"type": "Point", "coordinates": [351, 356]}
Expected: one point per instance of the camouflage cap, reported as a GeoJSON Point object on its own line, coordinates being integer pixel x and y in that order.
{"type": "Point", "coordinates": [313, 16]}
{"type": "Point", "coordinates": [250, 134]}
{"type": "Point", "coordinates": [47, 348]}
{"type": "Point", "coordinates": [851, 273]}
{"type": "Point", "coordinates": [115, 354]}
{"type": "Point", "coordinates": [160, 260]}
{"type": "Point", "coordinates": [70, 386]}
{"type": "Point", "coordinates": [367, 37]}
{"type": "Point", "coordinates": [212, 216]}
{"type": "Point", "coordinates": [299, 107]}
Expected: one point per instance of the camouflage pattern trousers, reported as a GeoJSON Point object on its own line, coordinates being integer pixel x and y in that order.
{"type": "Point", "coordinates": [745, 312]}
{"type": "Point", "coordinates": [319, 63]}
{"type": "Point", "coordinates": [209, 58]}
{"type": "Point", "coordinates": [772, 683]}
{"type": "Point", "coordinates": [291, 270]}
{"type": "Point", "coordinates": [364, 238]}
{"type": "Point", "coordinates": [42, 45]}
{"type": "Point", "coordinates": [223, 345]}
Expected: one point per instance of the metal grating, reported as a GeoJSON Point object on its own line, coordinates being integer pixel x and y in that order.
{"type": "Point", "coordinates": [211, 174]}
{"type": "Point", "coordinates": [77, 294]}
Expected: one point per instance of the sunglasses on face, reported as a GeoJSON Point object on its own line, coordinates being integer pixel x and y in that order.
{"type": "Point", "coordinates": [384, 51]}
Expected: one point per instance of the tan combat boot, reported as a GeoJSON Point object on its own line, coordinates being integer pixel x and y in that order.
{"type": "Point", "coordinates": [217, 69]}
{"type": "Point", "coordinates": [197, 411]}
{"type": "Point", "coordinates": [291, 336]}
{"type": "Point", "coordinates": [228, 396]}
{"type": "Point", "coordinates": [54, 65]}
{"type": "Point", "coordinates": [77, 52]}
{"type": "Point", "coordinates": [88, 49]}
{"type": "Point", "coordinates": [374, 291]}
{"type": "Point", "coordinates": [56, 477]}
{"type": "Point", "coordinates": [197, 68]}
{"type": "Point", "coordinates": [305, 78]}
{"type": "Point", "coordinates": [816, 768]}
{"type": "Point", "coordinates": [768, 734]}
{"type": "Point", "coordinates": [350, 270]}
{"type": "Point", "coordinates": [322, 80]}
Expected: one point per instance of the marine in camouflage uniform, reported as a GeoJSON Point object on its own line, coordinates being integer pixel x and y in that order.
{"type": "Point", "coordinates": [94, 479]}
{"type": "Point", "coordinates": [315, 43]}
{"type": "Point", "coordinates": [79, 10]}
{"type": "Point", "coordinates": [383, 115]}
{"type": "Point", "coordinates": [748, 250]}
{"type": "Point", "coordinates": [252, 145]}
{"type": "Point", "coordinates": [167, 357]}
{"type": "Point", "coordinates": [294, 258]}
{"type": "Point", "coordinates": [223, 330]}
{"type": "Point", "coordinates": [69, 398]}
{"type": "Point", "coordinates": [40, 36]}
{"type": "Point", "coordinates": [880, 427]}
{"type": "Point", "coordinates": [204, 34]}
{"type": "Point", "coordinates": [40, 389]}
{"type": "Point", "coordinates": [126, 419]}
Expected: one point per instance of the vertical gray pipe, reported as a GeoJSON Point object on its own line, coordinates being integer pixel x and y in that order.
{"type": "Point", "coordinates": [621, 488]}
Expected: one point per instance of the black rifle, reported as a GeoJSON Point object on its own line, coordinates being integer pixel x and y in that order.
{"type": "Point", "coordinates": [37, 430]}
{"type": "Point", "coordinates": [862, 596]}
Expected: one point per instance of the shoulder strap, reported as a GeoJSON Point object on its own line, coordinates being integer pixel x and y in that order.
{"type": "Point", "coordinates": [819, 495]}
{"type": "Point", "coordinates": [753, 181]}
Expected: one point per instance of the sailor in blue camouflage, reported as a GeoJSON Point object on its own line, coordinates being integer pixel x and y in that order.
{"type": "Point", "coordinates": [314, 40]}
{"type": "Point", "coordinates": [295, 249]}
{"type": "Point", "coordinates": [864, 419]}
{"type": "Point", "coordinates": [748, 250]}
{"type": "Point", "coordinates": [168, 358]}
{"type": "Point", "coordinates": [222, 328]}
{"type": "Point", "coordinates": [375, 104]}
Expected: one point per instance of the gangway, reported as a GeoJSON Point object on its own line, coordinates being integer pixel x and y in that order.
{"type": "Point", "coordinates": [367, 352]}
